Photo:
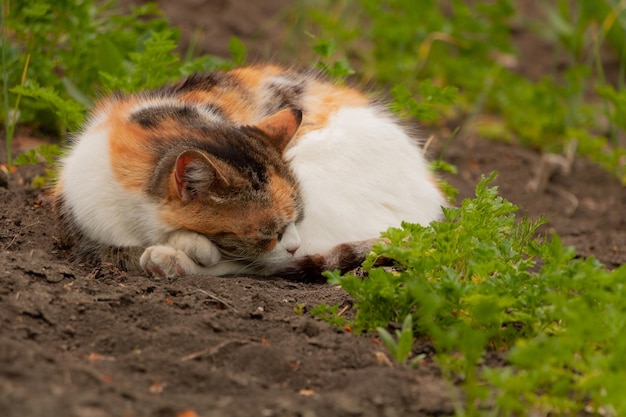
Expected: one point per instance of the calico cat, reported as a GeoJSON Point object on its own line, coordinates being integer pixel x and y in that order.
{"type": "Point", "coordinates": [258, 170]}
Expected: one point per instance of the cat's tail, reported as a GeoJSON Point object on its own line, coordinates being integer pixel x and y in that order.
{"type": "Point", "coordinates": [344, 257]}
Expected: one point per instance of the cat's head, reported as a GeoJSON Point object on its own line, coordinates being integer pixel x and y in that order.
{"type": "Point", "coordinates": [233, 186]}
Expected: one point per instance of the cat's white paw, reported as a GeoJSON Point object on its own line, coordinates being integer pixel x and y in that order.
{"type": "Point", "coordinates": [166, 262]}
{"type": "Point", "coordinates": [196, 246]}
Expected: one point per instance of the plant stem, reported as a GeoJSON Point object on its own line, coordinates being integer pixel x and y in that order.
{"type": "Point", "coordinates": [5, 89]}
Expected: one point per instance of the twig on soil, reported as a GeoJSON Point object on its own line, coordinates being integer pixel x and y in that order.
{"type": "Point", "coordinates": [212, 350]}
{"type": "Point", "coordinates": [19, 232]}
{"type": "Point", "coordinates": [571, 198]}
{"type": "Point", "coordinates": [218, 299]}
{"type": "Point", "coordinates": [427, 144]}
{"type": "Point", "coordinates": [551, 164]}
{"type": "Point", "coordinates": [343, 310]}
{"type": "Point", "coordinates": [91, 372]}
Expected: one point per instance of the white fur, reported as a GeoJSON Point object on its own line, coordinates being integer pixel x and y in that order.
{"type": "Point", "coordinates": [196, 246]}
{"type": "Point", "coordinates": [101, 207]}
{"type": "Point", "coordinates": [359, 176]}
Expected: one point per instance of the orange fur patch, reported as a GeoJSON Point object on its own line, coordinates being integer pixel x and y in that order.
{"type": "Point", "coordinates": [131, 160]}
{"type": "Point", "coordinates": [322, 101]}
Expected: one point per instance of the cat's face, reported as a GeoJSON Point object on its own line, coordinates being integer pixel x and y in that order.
{"type": "Point", "coordinates": [261, 247]}
{"type": "Point", "coordinates": [237, 190]}
{"type": "Point", "coordinates": [258, 223]}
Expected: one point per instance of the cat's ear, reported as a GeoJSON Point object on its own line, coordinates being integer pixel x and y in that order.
{"type": "Point", "coordinates": [196, 173]}
{"type": "Point", "coordinates": [280, 127]}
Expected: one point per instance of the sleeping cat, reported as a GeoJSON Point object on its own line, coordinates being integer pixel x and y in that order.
{"type": "Point", "coordinates": [258, 170]}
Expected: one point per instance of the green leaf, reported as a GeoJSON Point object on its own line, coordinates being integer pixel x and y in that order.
{"type": "Point", "coordinates": [405, 340]}
{"type": "Point", "coordinates": [69, 112]}
{"type": "Point", "coordinates": [329, 314]}
{"type": "Point", "coordinates": [325, 48]}
{"type": "Point", "coordinates": [423, 109]}
{"type": "Point", "coordinates": [388, 341]}
{"type": "Point", "coordinates": [238, 50]}
{"type": "Point", "coordinates": [76, 94]}
{"type": "Point", "coordinates": [108, 57]}
{"type": "Point", "coordinates": [27, 158]}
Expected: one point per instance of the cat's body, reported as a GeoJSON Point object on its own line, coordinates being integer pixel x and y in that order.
{"type": "Point", "coordinates": [256, 170]}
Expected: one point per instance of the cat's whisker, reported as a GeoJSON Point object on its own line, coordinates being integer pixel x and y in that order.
{"type": "Point", "coordinates": [227, 257]}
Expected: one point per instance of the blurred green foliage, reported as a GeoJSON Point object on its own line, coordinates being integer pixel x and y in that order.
{"type": "Point", "coordinates": [474, 46]}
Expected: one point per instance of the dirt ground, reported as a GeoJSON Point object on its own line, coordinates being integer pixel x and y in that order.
{"type": "Point", "coordinates": [83, 342]}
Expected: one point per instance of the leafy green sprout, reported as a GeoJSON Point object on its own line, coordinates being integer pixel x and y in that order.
{"type": "Point", "coordinates": [400, 348]}
{"type": "Point", "coordinates": [299, 309]}
{"type": "Point", "coordinates": [329, 314]}
{"type": "Point", "coordinates": [337, 69]}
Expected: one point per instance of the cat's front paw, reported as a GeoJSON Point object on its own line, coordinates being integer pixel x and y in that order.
{"type": "Point", "coordinates": [196, 246]}
{"type": "Point", "coordinates": [165, 262]}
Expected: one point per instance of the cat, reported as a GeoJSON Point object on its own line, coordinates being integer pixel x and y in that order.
{"type": "Point", "coordinates": [258, 170]}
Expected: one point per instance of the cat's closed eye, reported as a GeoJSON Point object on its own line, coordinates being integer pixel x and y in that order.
{"type": "Point", "coordinates": [268, 244]}
{"type": "Point", "coordinates": [269, 240]}
{"type": "Point", "coordinates": [281, 233]}
{"type": "Point", "coordinates": [273, 231]}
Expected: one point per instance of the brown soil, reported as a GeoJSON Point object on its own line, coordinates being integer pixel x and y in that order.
{"type": "Point", "coordinates": [78, 341]}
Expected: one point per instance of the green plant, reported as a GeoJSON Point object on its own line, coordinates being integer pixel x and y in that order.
{"type": "Point", "coordinates": [237, 50]}
{"type": "Point", "coordinates": [337, 69]}
{"type": "Point", "coordinates": [328, 314]}
{"type": "Point", "coordinates": [400, 348]}
{"type": "Point", "coordinates": [68, 112]}
{"type": "Point", "coordinates": [482, 281]}
{"type": "Point", "coordinates": [299, 309]}
{"type": "Point", "coordinates": [424, 108]}
{"type": "Point", "coordinates": [5, 85]}
{"type": "Point", "coordinates": [46, 153]}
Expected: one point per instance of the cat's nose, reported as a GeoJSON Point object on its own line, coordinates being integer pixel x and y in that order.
{"type": "Point", "coordinates": [292, 248]}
